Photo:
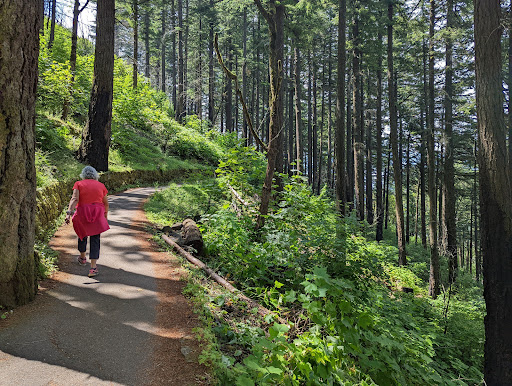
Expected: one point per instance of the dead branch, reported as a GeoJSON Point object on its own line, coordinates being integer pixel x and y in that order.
{"type": "Point", "coordinates": [262, 311]}
{"type": "Point", "coordinates": [231, 75]}
{"type": "Point", "coordinates": [237, 196]}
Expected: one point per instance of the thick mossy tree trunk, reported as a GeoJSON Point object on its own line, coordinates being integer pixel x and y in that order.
{"type": "Point", "coordinates": [495, 193]}
{"type": "Point", "coordinates": [96, 135]}
{"type": "Point", "coordinates": [19, 50]}
{"type": "Point", "coordinates": [275, 20]}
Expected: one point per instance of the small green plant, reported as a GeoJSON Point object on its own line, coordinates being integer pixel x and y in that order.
{"type": "Point", "coordinates": [47, 259]}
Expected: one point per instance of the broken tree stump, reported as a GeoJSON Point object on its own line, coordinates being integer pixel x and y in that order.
{"type": "Point", "coordinates": [192, 236]}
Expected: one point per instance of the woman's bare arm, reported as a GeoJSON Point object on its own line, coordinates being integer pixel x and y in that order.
{"type": "Point", "coordinates": [72, 204]}
{"type": "Point", "coordinates": [105, 203]}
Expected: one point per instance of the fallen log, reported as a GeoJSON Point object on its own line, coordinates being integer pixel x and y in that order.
{"type": "Point", "coordinates": [262, 311]}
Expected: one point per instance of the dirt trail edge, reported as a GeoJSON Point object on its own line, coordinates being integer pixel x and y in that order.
{"type": "Point", "coordinates": [130, 325]}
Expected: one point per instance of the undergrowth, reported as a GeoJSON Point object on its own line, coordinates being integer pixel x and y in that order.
{"type": "Point", "coordinates": [348, 320]}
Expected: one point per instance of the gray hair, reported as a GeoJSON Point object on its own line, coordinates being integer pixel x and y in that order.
{"type": "Point", "coordinates": [89, 173]}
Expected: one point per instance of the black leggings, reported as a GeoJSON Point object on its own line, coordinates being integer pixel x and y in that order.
{"type": "Point", "coordinates": [94, 248]}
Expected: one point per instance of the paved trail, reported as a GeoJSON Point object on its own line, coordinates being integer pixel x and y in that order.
{"type": "Point", "coordinates": [130, 325]}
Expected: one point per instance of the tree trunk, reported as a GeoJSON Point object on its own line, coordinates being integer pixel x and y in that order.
{"type": "Point", "coordinates": [310, 123]}
{"type": "Point", "coordinates": [434, 280]}
{"type": "Point", "coordinates": [72, 56]}
{"type": "Point", "coordinates": [180, 103]}
{"type": "Point", "coordinates": [135, 9]}
{"type": "Point", "coordinates": [298, 115]}
{"type": "Point", "coordinates": [199, 79]}
{"type": "Point", "coordinates": [378, 182]}
{"type": "Point", "coordinates": [478, 262]}
{"type": "Point", "coordinates": [408, 189]}
{"type": "Point", "coordinates": [424, 114]}
{"type": "Point", "coordinates": [96, 135]}
{"type": "Point", "coordinates": [211, 74]}
{"type": "Point", "coordinates": [52, 26]}
{"type": "Point", "coordinates": [275, 21]}
{"type": "Point", "coordinates": [369, 180]}
{"type": "Point", "coordinates": [228, 91]}
{"type": "Point", "coordinates": [173, 60]}
{"type": "Point", "coordinates": [245, 131]}
{"type": "Point", "coordinates": [509, 81]}
{"type": "Point", "coordinates": [340, 111]}
{"type": "Point", "coordinates": [320, 137]}
{"type": "Point", "coordinates": [162, 43]}
{"type": "Point", "coordinates": [350, 185]}
{"type": "Point", "coordinates": [393, 137]}
{"type": "Point", "coordinates": [291, 127]}
{"type": "Point", "coordinates": [357, 124]}
{"type": "Point", "coordinates": [18, 82]}
{"type": "Point", "coordinates": [329, 116]}
{"type": "Point", "coordinates": [496, 194]}
{"type": "Point", "coordinates": [314, 127]}
{"type": "Point", "coordinates": [387, 176]}
{"type": "Point", "coordinates": [186, 104]}
{"type": "Point", "coordinates": [147, 47]}
{"type": "Point", "coordinates": [449, 170]}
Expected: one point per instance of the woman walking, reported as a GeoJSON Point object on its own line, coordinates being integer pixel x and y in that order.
{"type": "Point", "coordinates": [90, 219]}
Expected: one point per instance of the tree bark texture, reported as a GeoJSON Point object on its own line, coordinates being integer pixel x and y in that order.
{"type": "Point", "coordinates": [72, 56]}
{"type": "Point", "coordinates": [96, 135]}
{"type": "Point", "coordinates": [357, 124]}
{"type": "Point", "coordinates": [310, 124]}
{"type": "Point", "coordinates": [19, 50]}
{"type": "Point", "coordinates": [435, 276]}
{"type": "Point", "coordinates": [298, 110]}
{"type": "Point", "coordinates": [340, 110]}
{"type": "Point", "coordinates": [135, 10]}
{"type": "Point", "coordinates": [211, 74]}
{"type": "Point", "coordinates": [449, 170]}
{"type": "Point", "coordinates": [52, 26]}
{"type": "Point", "coordinates": [393, 137]}
{"type": "Point", "coordinates": [424, 114]}
{"type": "Point", "coordinates": [163, 47]}
{"type": "Point", "coordinates": [496, 194]}
{"type": "Point", "coordinates": [147, 49]}
{"type": "Point", "coordinates": [180, 103]}
{"type": "Point", "coordinates": [379, 196]}
{"type": "Point", "coordinates": [275, 20]}
{"type": "Point", "coordinates": [228, 91]}
{"type": "Point", "coordinates": [369, 167]}
{"type": "Point", "coordinates": [291, 113]}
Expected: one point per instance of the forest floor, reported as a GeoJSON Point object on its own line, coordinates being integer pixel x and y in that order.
{"type": "Point", "coordinates": [129, 325]}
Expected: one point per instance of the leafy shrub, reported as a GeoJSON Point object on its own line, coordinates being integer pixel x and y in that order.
{"type": "Point", "coordinates": [354, 330]}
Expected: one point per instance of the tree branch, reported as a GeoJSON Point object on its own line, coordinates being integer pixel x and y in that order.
{"type": "Point", "coordinates": [85, 5]}
{"type": "Point", "coordinates": [263, 11]}
{"type": "Point", "coordinates": [231, 75]}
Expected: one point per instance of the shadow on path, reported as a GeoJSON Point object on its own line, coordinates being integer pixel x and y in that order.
{"type": "Point", "coordinates": [129, 325]}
